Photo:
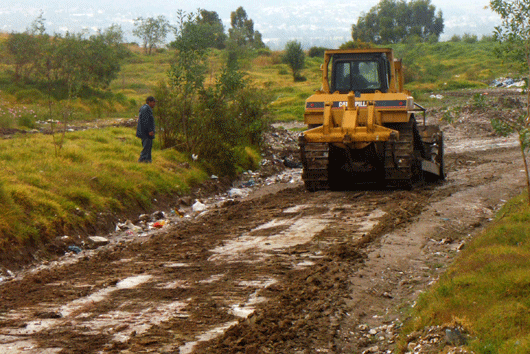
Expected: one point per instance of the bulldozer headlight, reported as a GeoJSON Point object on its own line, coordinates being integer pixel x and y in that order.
{"type": "Point", "coordinates": [410, 103]}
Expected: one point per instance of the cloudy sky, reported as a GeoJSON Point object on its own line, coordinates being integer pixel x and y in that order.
{"type": "Point", "coordinates": [312, 22]}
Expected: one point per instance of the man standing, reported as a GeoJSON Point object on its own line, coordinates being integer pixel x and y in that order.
{"type": "Point", "coordinates": [146, 129]}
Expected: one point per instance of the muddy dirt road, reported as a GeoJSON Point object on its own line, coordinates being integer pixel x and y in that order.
{"type": "Point", "coordinates": [280, 270]}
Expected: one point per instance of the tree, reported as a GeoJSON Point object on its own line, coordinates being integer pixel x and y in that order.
{"type": "Point", "coordinates": [152, 31]}
{"type": "Point", "coordinates": [23, 50]}
{"type": "Point", "coordinates": [242, 31]}
{"type": "Point", "coordinates": [514, 35]}
{"type": "Point", "coordinates": [65, 60]}
{"type": "Point", "coordinates": [216, 122]}
{"type": "Point", "coordinates": [394, 21]}
{"type": "Point", "coordinates": [214, 28]}
{"type": "Point", "coordinates": [186, 76]}
{"type": "Point", "coordinates": [37, 26]}
{"type": "Point", "coordinates": [294, 56]}
{"type": "Point", "coordinates": [316, 52]}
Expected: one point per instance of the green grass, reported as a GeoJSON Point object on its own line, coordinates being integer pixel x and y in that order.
{"type": "Point", "coordinates": [45, 195]}
{"type": "Point", "coordinates": [487, 289]}
{"type": "Point", "coordinates": [448, 66]}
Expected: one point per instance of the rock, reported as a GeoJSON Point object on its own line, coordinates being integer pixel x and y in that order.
{"type": "Point", "coordinates": [186, 201]}
{"type": "Point", "coordinates": [387, 295]}
{"type": "Point", "coordinates": [453, 336]}
{"type": "Point", "coordinates": [198, 206]}
{"type": "Point", "coordinates": [374, 349]}
{"type": "Point", "coordinates": [97, 241]}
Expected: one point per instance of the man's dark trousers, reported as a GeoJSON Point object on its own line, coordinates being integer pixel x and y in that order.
{"type": "Point", "coordinates": [145, 155]}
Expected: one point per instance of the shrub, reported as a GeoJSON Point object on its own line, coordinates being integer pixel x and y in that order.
{"type": "Point", "coordinates": [29, 96]}
{"type": "Point", "coordinates": [316, 52]}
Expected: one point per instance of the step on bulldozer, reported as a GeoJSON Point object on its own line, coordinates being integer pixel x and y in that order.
{"type": "Point", "coordinates": [362, 126]}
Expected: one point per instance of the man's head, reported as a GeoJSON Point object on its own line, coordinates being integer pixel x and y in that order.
{"type": "Point", "coordinates": [150, 101]}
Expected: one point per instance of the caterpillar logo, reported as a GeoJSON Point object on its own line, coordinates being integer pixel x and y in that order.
{"type": "Point", "coordinates": [357, 104]}
{"type": "Point", "coordinates": [393, 104]}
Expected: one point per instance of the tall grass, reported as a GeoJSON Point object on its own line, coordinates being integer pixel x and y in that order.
{"type": "Point", "coordinates": [487, 289]}
{"type": "Point", "coordinates": [96, 171]}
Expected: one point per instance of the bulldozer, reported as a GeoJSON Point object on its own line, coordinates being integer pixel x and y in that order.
{"type": "Point", "coordinates": [362, 126]}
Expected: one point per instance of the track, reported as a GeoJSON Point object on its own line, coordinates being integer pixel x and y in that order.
{"type": "Point", "coordinates": [328, 167]}
{"type": "Point", "coordinates": [287, 272]}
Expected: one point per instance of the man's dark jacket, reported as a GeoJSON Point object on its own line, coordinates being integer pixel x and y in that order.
{"type": "Point", "coordinates": [146, 123]}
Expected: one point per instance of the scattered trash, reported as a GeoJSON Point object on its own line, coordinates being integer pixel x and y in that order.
{"type": "Point", "coordinates": [158, 215]}
{"type": "Point", "coordinates": [159, 224]}
{"type": "Point", "coordinates": [127, 225]}
{"type": "Point", "coordinates": [75, 249]}
{"type": "Point", "coordinates": [291, 164]}
{"type": "Point", "coordinates": [236, 193]}
{"type": "Point", "coordinates": [249, 183]}
{"type": "Point", "coordinates": [178, 212]}
{"type": "Point", "coordinates": [438, 97]}
{"type": "Point", "coordinates": [507, 82]}
{"type": "Point", "coordinates": [198, 206]}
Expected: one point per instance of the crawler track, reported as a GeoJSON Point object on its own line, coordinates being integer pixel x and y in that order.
{"type": "Point", "coordinates": [400, 163]}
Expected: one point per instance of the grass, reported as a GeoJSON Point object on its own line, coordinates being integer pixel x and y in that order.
{"type": "Point", "coordinates": [448, 66]}
{"type": "Point", "coordinates": [487, 289]}
{"type": "Point", "coordinates": [95, 172]}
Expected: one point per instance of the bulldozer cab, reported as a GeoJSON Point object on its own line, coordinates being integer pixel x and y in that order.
{"type": "Point", "coordinates": [360, 73]}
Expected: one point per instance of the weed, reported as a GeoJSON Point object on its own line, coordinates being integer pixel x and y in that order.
{"type": "Point", "coordinates": [452, 114]}
{"type": "Point", "coordinates": [479, 101]}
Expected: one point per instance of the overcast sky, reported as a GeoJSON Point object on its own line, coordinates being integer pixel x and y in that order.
{"type": "Point", "coordinates": [312, 22]}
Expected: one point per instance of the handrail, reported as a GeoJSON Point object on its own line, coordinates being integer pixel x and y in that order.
{"type": "Point", "coordinates": [421, 109]}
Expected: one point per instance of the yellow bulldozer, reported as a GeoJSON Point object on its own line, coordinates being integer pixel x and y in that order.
{"type": "Point", "coordinates": [362, 126]}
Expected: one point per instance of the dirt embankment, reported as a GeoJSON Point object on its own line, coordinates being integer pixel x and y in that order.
{"type": "Point", "coordinates": [267, 267]}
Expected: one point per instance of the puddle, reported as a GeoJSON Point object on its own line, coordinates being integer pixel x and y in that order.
{"type": "Point", "coordinates": [258, 283]}
{"type": "Point", "coordinates": [211, 334]}
{"type": "Point", "coordinates": [176, 265]}
{"type": "Point", "coordinates": [122, 324]}
{"type": "Point", "coordinates": [370, 221]}
{"type": "Point", "coordinates": [298, 232]}
{"type": "Point", "coordinates": [76, 307]}
{"type": "Point", "coordinates": [8, 346]}
{"type": "Point", "coordinates": [246, 309]}
{"type": "Point", "coordinates": [295, 209]}
{"type": "Point", "coordinates": [212, 279]}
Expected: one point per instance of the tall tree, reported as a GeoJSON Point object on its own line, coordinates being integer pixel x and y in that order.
{"type": "Point", "coordinates": [187, 76]}
{"type": "Point", "coordinates": [242, 31]}
{"type": "Point", "coordinates": [514, 36]}
{"type": "Point", "coordinates": [214, 28]}
{"type": "Point", "coordinates": [394, 21]}
{"type": "Point", "coordinates": [152, 31]}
